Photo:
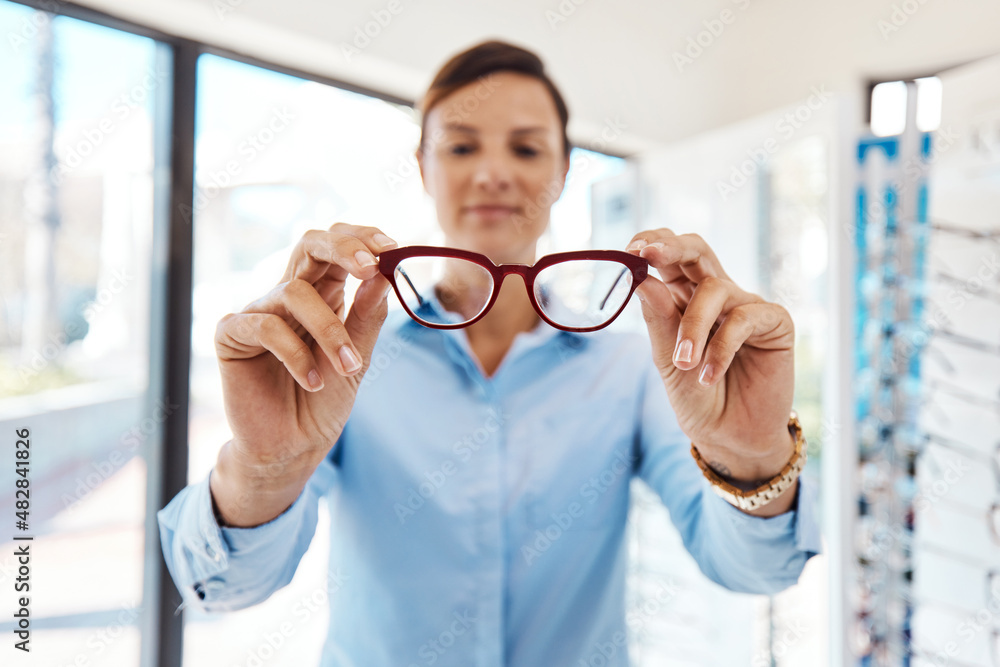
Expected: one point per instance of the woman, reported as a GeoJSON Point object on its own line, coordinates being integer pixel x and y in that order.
{"type": "Point", "coordinates": [479, 477]}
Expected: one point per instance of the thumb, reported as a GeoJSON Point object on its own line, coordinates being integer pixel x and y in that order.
{"type": "Point", "coordinates": [367, 314]}
{"type": "Point", "coordinates": [662, 319]}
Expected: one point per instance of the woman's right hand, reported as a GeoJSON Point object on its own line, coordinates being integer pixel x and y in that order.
{"type": "Point", "coordinates": [291, 363]}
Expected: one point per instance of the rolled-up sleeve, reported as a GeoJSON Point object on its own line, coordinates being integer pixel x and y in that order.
{"type": "Point", "coordinates": [740, 551]}
{"type": "Point", "coordinates": [224, 568]}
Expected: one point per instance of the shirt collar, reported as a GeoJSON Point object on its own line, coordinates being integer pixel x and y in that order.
{"type": "Point", "coordinates": [541, 334]}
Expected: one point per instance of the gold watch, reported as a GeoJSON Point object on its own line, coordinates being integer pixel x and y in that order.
{"type": "Point", "coordinates": [769, 490]}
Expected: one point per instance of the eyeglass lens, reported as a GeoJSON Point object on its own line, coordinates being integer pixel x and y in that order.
{"type": "Point", "coordinates": [460, 288]}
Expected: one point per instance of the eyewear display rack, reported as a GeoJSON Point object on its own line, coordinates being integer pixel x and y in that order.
{"type": "Point", "coordinates": [890, 248]}
{"type": "Point", "coordinates": [956, 587]}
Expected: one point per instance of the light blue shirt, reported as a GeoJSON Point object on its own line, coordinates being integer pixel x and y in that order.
{"type": "Point", "coordinates": [480, 521]}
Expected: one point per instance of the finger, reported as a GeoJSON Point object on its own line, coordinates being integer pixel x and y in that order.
{"type": "Point", "coordinates": [300, 300]}
{"type": "Point", "coordinates": [335, 254]}
{"type": "Point", "coordinates": [662, 318]}
{"type": "Point", "coordinates": [761, 324]}
{"type": "Point", "coordinates": [247, 335]}
{"type": "Point", "coordinates": [368, 312]}
{"type": "Point", "coordinates": [713, 299]}
{"type": "Point", "coordinates": [644, 238]}
{"type": "Point", "coordinates": [373, 237]}
{"type": "Point", "coordinates": [678, 258]}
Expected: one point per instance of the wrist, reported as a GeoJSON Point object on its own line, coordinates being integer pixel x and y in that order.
{"type": "Point", "coordinates": [750, 466]}
{"type": "Point", "coordinates": [774, 492]}
{"type": "Point", "coordinates": [258, 470]}
{"type": "Point", "coordinates": [250, 493]}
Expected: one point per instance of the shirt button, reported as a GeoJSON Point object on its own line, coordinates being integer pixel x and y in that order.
{"type": "Point", "coordinates": [212, 553]}
{"type": "Point", "coordinates": [200, 590]}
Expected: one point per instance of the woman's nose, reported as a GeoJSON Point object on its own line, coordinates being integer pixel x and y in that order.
{"type": "Point", "coordinates": [492, 172]}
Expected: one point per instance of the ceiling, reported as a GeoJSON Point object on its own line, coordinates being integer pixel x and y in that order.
{"type": "Point", "coordinates": [615, 62]}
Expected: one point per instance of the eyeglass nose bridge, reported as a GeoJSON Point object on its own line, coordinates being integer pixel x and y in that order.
{"type": "Point", "coordinates": [527, 274]}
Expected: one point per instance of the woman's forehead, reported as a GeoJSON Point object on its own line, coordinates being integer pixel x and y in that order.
{"type": "Point", "coordinates": [515, 101]}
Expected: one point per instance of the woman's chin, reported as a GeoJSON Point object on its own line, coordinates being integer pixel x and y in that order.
{"type": "Point", "coordinates": [500, 248]}
{"type": "Point", "coordinates": [501, 243]}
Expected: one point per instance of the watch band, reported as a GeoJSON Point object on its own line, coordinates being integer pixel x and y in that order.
{"type": "Point", "coordinates": [769, 490]}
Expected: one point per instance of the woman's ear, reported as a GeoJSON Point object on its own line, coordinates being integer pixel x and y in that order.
{"type": "Point", "coordinates": [420, 166]}
{"type": "Point", "coordinates": [565, 172]}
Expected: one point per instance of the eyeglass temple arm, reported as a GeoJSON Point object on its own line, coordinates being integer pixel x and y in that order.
{"type": "Point", "coordinates": [410, 283]}
{"type": "Point", "coordinates": [613, 285]}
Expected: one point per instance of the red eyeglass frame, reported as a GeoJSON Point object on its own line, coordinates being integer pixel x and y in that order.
{"type": "Point", "coordinates": [388, 260]}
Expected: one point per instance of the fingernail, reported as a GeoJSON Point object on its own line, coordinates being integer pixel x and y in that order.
{"type": "Point", "coordinates": [349, 360]}
{"type": "Point", "coordinates": [706, 375]}
{"type": "Point", "coordinates": [683, 352]}
{"type": "Point", "coordinates": [365, 258]}
{"type": "Point", "coordinates": [315, 381]}
{"type": "Point", "coordinates": [638, 244]}
{"type": "Point", "coordinates": [383, 241]}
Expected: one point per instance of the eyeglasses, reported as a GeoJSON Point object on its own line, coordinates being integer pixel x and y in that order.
{"type": "Point", "coordinates": [448, 288]}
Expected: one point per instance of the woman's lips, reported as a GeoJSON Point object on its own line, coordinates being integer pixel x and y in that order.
{"type": "Point", "coordinates": [491, 212]}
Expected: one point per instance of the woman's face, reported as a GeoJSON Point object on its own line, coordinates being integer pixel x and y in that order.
{"type": "Point", "coordinates": [493, 161]}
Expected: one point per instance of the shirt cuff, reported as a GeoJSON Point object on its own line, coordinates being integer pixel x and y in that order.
{"type": "Point", "coordinates": [763, 554]}
{"type": "Point", "coordinates": [198, 551]}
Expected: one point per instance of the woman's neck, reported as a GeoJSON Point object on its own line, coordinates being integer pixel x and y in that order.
{"type": "Point", "coordinates": [491, 337]}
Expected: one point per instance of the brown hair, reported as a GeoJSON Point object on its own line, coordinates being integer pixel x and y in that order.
{"type": "Point", "coordinates": [480, 61]}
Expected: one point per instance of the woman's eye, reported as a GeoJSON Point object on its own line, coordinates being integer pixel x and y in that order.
{"type": "Point", "coordinates": [460, 149]}
{"type": "Point", "coordinates": [526, 151]}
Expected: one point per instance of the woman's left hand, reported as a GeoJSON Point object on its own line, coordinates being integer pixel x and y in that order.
{"type": "Point", "coordinates": [725, 355]}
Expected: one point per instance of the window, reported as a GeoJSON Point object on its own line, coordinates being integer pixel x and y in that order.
{"type": "Point", "coordinates": [78, 146]}
{"type": "Point", "coordinates": [888, 106]}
